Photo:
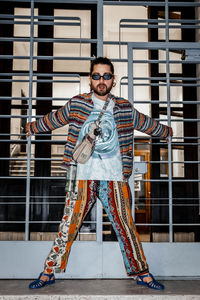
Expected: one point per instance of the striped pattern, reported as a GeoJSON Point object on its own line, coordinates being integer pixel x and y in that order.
{"type": "Point", "coordinates": [116, 200]}
{"type": "Point", "coordinates": [76, 111]}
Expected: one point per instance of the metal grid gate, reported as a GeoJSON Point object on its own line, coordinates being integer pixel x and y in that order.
{"type": "Point", "coordinates": [32, 185]}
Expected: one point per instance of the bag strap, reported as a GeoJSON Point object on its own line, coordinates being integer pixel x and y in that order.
{"type": "Point", "coordinates": [103, 110]}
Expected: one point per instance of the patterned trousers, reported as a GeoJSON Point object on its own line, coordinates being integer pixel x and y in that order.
{"type": "Point", "coordinates": [115, 197]}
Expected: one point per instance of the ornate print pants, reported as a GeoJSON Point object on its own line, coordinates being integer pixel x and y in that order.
{"type": "Point", "coordinates": [115, 197]}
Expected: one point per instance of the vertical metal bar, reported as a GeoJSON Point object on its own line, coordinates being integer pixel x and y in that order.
{"type": "Point", "coordinates": [119, 40]}
{"type": "Point", "coordinates": [169, 124]}
{"type": "Point", "coordinates": [130, 73]}
{"type": "Point", "coordinates": [80, 37]}
{"type": "Point", "coordinates": [197, 14]}
{"type": "Point", "coordinates": [29, 120]}
{"type": "Point", "coordinates": [99, 53]}
{"type": "Point", "coordinates": [130, 98]}
{"type": "Point", "coordinates": [100, 28]}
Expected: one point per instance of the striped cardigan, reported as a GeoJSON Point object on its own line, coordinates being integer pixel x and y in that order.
{"type": "Point", "coordinates": [76, 111]}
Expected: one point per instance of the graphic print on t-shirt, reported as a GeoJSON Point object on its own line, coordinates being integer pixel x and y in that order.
{"type": "Point", "coordinates": [107, 142]}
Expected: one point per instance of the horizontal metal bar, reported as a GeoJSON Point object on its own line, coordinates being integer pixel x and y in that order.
{"type": "Point", "coordinates": [64, 141]}
{"type": "Point", "coordinates": [167, 224]}
{"type": "Point", "coordinates": [47, 57]}
{"type": "Point", "coordinates": [137, 224]}
{"type": "Point", "coordinates": [161, 180]}
{"type": "Point", "coordinates": [173, 180]}
{"type": "Point", "coordinates": [117, 3]}
{"type": "Point", "coordinates": [34, 177]}
{"type": "Point", "coordinates": [162, 26]}
{"type": "Point", "coordinates": [50, 23]}
{"type": "Point", "coordinates": [135, 101]}
{"type": "Point", "coordinates": [60, 160]}
{"type": "Point", "coordinates": [122, 78]}
{"type": "Point", "coordinates": [68, 1]}
{"type": "Point", "coordinates": [6, 98]}
{"type": "Point", "coordinates": [71, 81]}
{"type": "Point", "coordinates": [75, 81]}
{"type": "Point", "coordinates": [61, 197]}
{"type": "Point", "coordinates": [33, 203]}
{"type": "Point", "coordinates": [166, 84]}
{"type": "Point", "coordinates": [163, 78]}
{"type": "Point", "coordinates": [40, 17]}
{"type": "Point", "coordinates": [164, 45]}
{"type": "Point", "coordinates": [33, 197]}
{"type": "Point", "coordinates": [159, 21]}
{"type": "Point", "coordinates": [151, 3]}
{"type": "Point", "coordinates": [42, 75]}
{"type": "Point", "coordinates": [113, 60]}
{"type": "Point", "coordinates": [61, 203]}
{"type": "Point", "coordinates": [40, 80]}
{"type": "Point", "coordinates": [37, 117]}
{"type": "Point", "coordinates": [48, 40]}
{"type": "Point", "coordinates": [166, 102]}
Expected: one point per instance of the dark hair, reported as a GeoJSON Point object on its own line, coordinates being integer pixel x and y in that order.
{"type": "Point", "coordinates": [102, 61]}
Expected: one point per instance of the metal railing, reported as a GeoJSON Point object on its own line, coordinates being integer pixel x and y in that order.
{"type": "Point", "coordinates": [131, 82]}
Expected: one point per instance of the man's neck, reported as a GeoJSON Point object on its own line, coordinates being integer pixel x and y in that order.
{"type": "Point", "coordinates": [103, 98]}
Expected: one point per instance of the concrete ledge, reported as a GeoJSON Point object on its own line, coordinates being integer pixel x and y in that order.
{"type": "Point", "coordinates": [100, 289]}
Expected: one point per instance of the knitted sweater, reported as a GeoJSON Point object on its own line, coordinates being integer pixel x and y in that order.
{"type": "Point", "coordinates": [76, 111]}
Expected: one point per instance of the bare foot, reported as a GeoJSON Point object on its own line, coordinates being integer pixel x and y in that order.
{"type": "Point", "coordinates": [45, 277]}
{"type": "Point", "coordinates": [146, 279]}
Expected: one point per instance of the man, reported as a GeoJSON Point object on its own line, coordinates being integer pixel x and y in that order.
{"type": "Point", "coordinates": [105, 175]}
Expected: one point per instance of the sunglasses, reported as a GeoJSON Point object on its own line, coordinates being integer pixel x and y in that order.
{"type": "Point", "coordinates": [106, 76]}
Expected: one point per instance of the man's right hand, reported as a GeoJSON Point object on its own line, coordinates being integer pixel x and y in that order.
{"type": "Point", "coordinates": [27, 129]}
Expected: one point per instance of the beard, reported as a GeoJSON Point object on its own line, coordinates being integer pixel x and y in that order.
{"type": "Point", "coordinates": [101, 89]}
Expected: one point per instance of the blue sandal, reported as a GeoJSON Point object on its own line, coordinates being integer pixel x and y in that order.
{"type": "Point", "coordinates": [153, 284]}
{"type": "Point", "coordinates": [38, 283]}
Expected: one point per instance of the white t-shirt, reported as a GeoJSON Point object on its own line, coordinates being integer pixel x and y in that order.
{"type": "Point", "coordinates": [105, 162]}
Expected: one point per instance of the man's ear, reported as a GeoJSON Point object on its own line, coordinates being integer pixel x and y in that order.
{"type": "Point", "coordinates": [114, 81]}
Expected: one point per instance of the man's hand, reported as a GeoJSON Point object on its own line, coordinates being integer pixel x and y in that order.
{"type": "Point", "coordinates": [170, 134]}
{"type": "Point", "coordinates": [27, 129]}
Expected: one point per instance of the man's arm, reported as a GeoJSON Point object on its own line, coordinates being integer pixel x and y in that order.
{"type": "Point", "coordinates": [150, 126]}
{"type": "Point", "coordinates": [50, 121]}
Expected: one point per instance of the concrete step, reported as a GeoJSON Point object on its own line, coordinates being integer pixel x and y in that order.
{"type": "Point", "coordinates": [100, 289]}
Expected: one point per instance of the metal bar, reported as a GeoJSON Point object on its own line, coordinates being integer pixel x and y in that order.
{"type": "Point", "coordinates": [62, 202]}
{"type": "Point", "coordinates": [131, 99]}
{"type": "Point", "coordinates": [164, 45]}
{"type": "Point", "coordinates": [63, 177]}
{"type": "Point", "coordinates": [137, 224]}
{"type": "Point", "coordinates": [40, 80]}
{"type": "Point", "coordinates": [158, 78]}
{"type": "Point", "coordinates": [47, 40]}
{"type": "Point", "coordinates": [38, 116]}
{"type": "Point", "coordinates": [13, 16]}
{"type": "Point", "coordinates": [66, 99]}
{"type": "Point", "coordinates": [162, 26]}
{"type": "Point", "coordinates": [39, 23]}
{"type": "Point", "coordinates": [29, 119]}
{"type": "Point", "coordinates": [150, 3]}
{"type": "Point", "coordinates": [159, 21]}
{"type": "Point", "coordinates": [99, 53]}
{"type": "Point", "coordinates": [169, 123]}
{"type": "Point", "coordinates": [60, 160]}
{"type": "Point", "coordinates": [123, 3]}
{"type": "Point", "coordinates": [100, 28]}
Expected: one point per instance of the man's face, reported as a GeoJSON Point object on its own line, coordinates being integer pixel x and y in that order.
{"type": "Point", "coordinates": [101, 87]}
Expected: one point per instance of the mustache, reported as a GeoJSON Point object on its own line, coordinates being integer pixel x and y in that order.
{"type": "Point", "coordinates": [101, 84]}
